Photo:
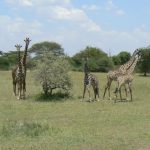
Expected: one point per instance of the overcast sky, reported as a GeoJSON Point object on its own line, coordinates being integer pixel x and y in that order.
{"type": "Point", "coordinates": [112, 25]}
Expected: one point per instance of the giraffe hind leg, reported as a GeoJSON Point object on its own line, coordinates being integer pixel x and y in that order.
{"type": "Point", "coordinates": [97, 93]}
{"type": "Point", "coordinates": [107, 88]}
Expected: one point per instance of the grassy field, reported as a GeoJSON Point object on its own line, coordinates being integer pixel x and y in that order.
{"type": "Point", "coordinates": [68, 124]}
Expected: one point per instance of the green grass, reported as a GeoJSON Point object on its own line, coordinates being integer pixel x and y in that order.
{"type": "Point", "coordinates": [68, 124]}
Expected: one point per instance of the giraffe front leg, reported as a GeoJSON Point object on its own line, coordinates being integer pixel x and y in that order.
{"type": "Point", "coordinates": [84, 90]}
{"type": "Point", "coordinates": [120, 93]}
{"type": "Point", "coordinates": [98, 94]}
{"type": "Point", "coordinates": [19, 93]}
{"type": "Point", "coordinates": [116, 94]}
{"type": "Point", "coordinates": [130, 89]}
{"type": "Point", "coordinates": [109, 89]}
{"type": "Point", "coordinates": [89, 94]}
{"type": "Point", "coordinates": [126, 92]}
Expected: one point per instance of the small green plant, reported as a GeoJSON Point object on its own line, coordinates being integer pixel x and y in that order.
{"type": "Point", "coordinates": [29, 129]}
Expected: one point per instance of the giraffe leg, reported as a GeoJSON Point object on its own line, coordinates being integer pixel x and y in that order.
{"type": "Point", "coordinates": [98, 94]}
{"type": "Point", "coordinates": [106, 88]}
{"type": "Point", "coordinates": [116, 94]}
{"type": "Point", "coordinates": [120, 93]}
{"type": "Point", "coordinates": [19, 92]}
{"type": "Point", "coordinates": [117, 90]}
{"type": "Point", "coordinates": [95, 93]}
{"type": "Point", "coordinates": [126, 92]}
{"type": "Point", "coordinates": [14, 87]}
{"type": "Point", "coordinates": [24, 89]}
{"type": "Point", "coordinates": [105, 91]}
{"type": "Point", "coordinates": [84, 90]}
{"type": "Point", "coordinates": [109, 90]}
{"type": "Point", "coordinates": [130, 89]}
{"type": "Point", "coordinates": [89, 94]}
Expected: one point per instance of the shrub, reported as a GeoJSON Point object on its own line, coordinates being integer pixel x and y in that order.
{"type": "Point", "coordinates": [52, 73]}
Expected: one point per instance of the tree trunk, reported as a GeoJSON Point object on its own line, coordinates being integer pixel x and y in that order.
{"type": "Point", "coordinates": [50, 91]}
{"type": "Point", "coordinates": [145, 74]}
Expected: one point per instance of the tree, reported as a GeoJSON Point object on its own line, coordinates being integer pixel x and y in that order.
{"type": "Point", "coordinates": [144, 64]}
{"type": "Point", "coordinates": [121, 58]}
{"type": "Point", "coordinates": [124, 57]}
{"type": "Point", "coordinates": [98, 60]}
{"type": "Point", "coordinates": [40, 48]}
{"type": "Point", "coordinates": [8, 60]}
{"type": "Point", "coordinates": [52, 73]}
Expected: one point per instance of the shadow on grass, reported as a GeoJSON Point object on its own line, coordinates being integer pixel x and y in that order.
{"type": "Point", "coordinates": [122, 101]}
{"type": "Point", "coordinates": [53, 98]}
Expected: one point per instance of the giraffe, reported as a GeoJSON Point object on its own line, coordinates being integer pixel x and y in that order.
{"type": "Point", "coordinates": [113, 75]}
{"type": "Point", "coordinates": [23, 61]}
{"type": "Point", "coordinates": [20, 74]}
{"type": "Point", "coordinates": [90, 80]}
{"type": "Point", "coordinates": [127, 78]}
{"type": "Point", "coordinates": [123, 80]}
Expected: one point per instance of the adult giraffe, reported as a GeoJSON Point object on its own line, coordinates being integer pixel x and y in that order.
{"type": "Point", "coordinates": [90, 80]}
{"type": "Point", "coordinates": [113, 75]}
{"type": "Point", "coordinates": [23, 64]}
{"type": "Point", "coordinates": [127, 78]}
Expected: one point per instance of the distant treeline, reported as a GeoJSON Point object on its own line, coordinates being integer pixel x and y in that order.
{"type": "Point", "coordinates": [98, 60]}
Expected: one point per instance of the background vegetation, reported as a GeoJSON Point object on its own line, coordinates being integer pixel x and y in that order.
{"type": "Point", "coordinates": [99, 61]}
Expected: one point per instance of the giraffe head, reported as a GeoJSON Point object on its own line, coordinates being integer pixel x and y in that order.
{"type": "Point", "coordinates": [138, 54]}
{"type": "Point", "coordinates": [18, 49]}
{"type": "Point", "coordinates": [18, 46]}
{"type": "Point", "coordinates": [135, 53]}
{"type": "Point", "coordinates": [27, 41]}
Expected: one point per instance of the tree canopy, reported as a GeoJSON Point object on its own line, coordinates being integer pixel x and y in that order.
{"type": "Point", "coordinates": [121, 58]}
{"type": "Point", "coordinates": [98, 60]}
{"type": "Point", "coordinates": [144, 64]}
{"type": "Point", "coordinates": [46, 46]}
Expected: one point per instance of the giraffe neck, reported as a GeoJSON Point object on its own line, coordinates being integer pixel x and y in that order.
{"type": "Point", "coordinates": [130, 70]}
{"type": "Point", "coordinates": [19, 62]}
{"type": "Point", "coordinates": [125, 66]}
{"type": "Point", "coordinates": [86, 68]}
{"type": "Point", "coordinates": [25, 55]}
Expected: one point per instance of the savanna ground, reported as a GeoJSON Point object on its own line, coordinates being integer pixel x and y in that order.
{"type": "Point", "coordinates": [68, 124]}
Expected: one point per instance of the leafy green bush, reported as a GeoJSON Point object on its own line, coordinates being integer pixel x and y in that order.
{"type": "Point", "coordinates": [52, 73]}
